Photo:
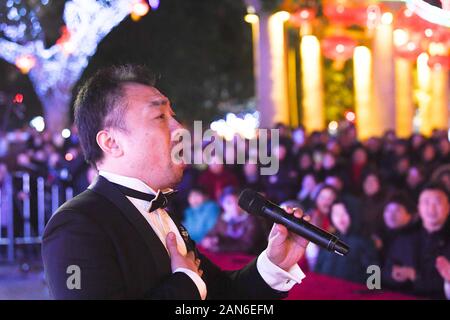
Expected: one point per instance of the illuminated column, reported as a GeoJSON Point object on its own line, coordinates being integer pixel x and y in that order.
{"type": "Point", "coordinates": [423, 94]}
{"type": "Point", "coordinates": [439, 98]}
{"type": "Point", "coordinates": [279, 92]}
{"type": "Point", "coordinates": [383, 73]}
{"type": "Point", "coordinates": [367, 123]}
{"type": "Point", "coordinates": [313, 110]}
{"type": "Point", "coordinates": [403, 98]}
{"type": "Point", "coordinates": [253, 20]}
{"type": "Point", "coordinates": [292, 87]}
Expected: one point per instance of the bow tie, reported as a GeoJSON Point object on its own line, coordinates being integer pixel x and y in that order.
{"type": "Point", "coordinates": [160, 200]}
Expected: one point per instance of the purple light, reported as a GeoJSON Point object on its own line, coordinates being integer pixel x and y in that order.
{"type": "Point", "coordinates": [154, 4]}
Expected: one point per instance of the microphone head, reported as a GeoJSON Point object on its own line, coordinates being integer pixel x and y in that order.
{"type": "Point", "coordinates": [341, 248]}
{"type": "Point", "coordinates": [251, 201]}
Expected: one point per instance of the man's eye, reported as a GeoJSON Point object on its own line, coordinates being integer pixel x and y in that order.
{"type": "Point", "coordinates": [161, 116]}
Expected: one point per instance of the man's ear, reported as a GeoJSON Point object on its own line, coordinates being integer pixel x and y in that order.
{"type": "Point", "coordinates": [108, 142]}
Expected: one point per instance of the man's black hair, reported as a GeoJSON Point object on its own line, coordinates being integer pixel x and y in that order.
{"type": "Point", "coordinates": [100, 103]}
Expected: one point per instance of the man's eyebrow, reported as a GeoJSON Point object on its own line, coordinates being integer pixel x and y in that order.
{"type": "Point", "coordinates": [159, 102]}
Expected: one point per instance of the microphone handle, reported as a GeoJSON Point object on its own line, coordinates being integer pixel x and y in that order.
{"type": "Point", "coordinates": [303, 228]}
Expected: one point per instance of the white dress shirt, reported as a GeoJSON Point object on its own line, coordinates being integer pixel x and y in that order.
{"type": "Point", "coordinates": [162, 224]}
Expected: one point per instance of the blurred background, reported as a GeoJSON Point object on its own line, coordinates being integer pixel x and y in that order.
{"type": "Point", "coordinates": [358, 89]}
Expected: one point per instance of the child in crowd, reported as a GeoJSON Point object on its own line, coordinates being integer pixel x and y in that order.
{"type": "Point", "coordinates": [202, 214]}
{"type": "Point", "coordinates": [236, 230]}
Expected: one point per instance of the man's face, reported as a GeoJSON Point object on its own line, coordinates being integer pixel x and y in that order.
{"type": "Point", "coordinates": [396, 216]}
{"type": "Point", "coordinates": [147, 143]}
{"type": "Point", "coordinates": [433, 209]}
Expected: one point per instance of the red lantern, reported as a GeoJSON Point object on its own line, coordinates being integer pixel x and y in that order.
{"type": "Point", "coordinates": [302, 16]}
{"type": "Point", "coordinates": [411, 50]}
{"type": "Point", "coordinates": [439, 61]}
{"type": "Point", "coordinates": [346, 16]}
{"type": "Point", "coordinates": [338, 47]}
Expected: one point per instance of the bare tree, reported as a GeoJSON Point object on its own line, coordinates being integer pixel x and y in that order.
{"type": "Point", "coordinates": [55, 70]}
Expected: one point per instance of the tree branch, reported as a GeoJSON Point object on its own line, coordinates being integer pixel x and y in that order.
{"type": "Point", "coordinates": [11, 50]}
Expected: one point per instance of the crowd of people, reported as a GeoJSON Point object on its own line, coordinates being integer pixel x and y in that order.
{"type": "Point", "coordinates": [387, 197]}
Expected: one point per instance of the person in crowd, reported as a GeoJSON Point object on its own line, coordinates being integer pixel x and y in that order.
{"type": "Point", "coordinates": [202, 214]}
{"type": "Point", "coordinates": [298, 139]}
{"type": "Point", "coordinates": [329, 165]}
{"type": "Point", "coordinates": [374, 147]}
{"type": "Point", "coordinates": [304, 163]}
{"type": "Point", "coordinates": [353, 266]}
{"type": "Point", "coordinates": [359, 164]}
{"type": "Point", "coordinates": [429, 157]}
{"type": "Point", "coordinates": [416, 141]}
{"type": "Point", "coordinates": [417, 262]}
{"type": "Point", "coordinates": [443, 147]}
{"type": "Point", "coordinates": [442, 175]}
{"type": "Point", "coordinates": [251, 178]}
{"type": "Point", "coordinates": [309, 183]}
{"type": "Point", "coordinates": [216, 177]}
{"type": "Point", "coordinates": [235, 230]}
{"type": "Point", "coordinates": [281, 186]}
{"type": "Point", "coordinates": [398, 217]}
{"type": "Point", "coordinates": [372, 202]}
{"type": "Point", "coordinates": [415, 179]}
{"type": "Point", "coordinates": [323, 198]}
{"type": "Point", "coordinates": [397, 177]}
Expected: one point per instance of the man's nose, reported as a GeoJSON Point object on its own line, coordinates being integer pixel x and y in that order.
{"type": "Point", "coordinates": [175, 125]}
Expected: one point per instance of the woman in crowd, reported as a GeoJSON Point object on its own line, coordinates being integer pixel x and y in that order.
{"type": "Point", "coordinates": [353, 266]}
{"type": "Point", "coordinates": [309, 183]}
{"type": "Point", "coordinates": [323, 198]}
{"type": "Point", "coordinates": [372, 202]}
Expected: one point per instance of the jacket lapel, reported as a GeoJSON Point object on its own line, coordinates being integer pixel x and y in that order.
{"type": "Point", "coordinates": [103, 187]}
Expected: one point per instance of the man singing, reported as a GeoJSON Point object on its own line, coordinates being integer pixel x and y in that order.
{"type": "Point", "coordinates": [117, 236]}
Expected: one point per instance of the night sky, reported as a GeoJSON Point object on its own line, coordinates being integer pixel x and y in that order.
{"type": "Point", "coordinates": [201, 50]}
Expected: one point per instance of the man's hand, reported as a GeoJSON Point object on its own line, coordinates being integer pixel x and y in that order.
{"type": "Point", "coordinates": [285, 248]}
{"type": "Point", "coordinates": [443, 267]}
{"type": "Point", "coordinates": [402, 274]}
{"type": "Point", "coordinates": [177, 260]}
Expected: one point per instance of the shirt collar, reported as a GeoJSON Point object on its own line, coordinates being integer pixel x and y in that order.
{"type": "Point", "coordinates": [132, 183]}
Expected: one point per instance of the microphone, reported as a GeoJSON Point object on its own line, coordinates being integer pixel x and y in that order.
{"type": "Point", "coordinates": [254, 203]}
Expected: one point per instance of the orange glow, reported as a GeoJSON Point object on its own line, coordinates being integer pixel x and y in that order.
{"type": "Point", "coordinates": [68, 156]}
{"type": "Point", "coordinates": [25, 63]}
{"type": "Point", "coordinates": [139, 10]}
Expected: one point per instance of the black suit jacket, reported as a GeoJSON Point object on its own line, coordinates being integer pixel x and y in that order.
{"type": "Point", "coordinates": [121, 257]}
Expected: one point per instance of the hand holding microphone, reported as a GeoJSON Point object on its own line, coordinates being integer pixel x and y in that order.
{"type": "Point", "coordinates": [254, 203]}
{"type": "Point", "coordinates": [284, 248]}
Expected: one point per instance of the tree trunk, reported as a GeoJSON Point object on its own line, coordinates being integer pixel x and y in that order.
{"type": "Point", "coordinates": [56, 105]}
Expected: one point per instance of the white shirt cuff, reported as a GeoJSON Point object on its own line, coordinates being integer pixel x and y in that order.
{"type": "Point", "coordinates": [447, 289]}
{"type": "Point", "coordinates": [277, 278]}
{"type": "Point", "coordinates": [201, 286]}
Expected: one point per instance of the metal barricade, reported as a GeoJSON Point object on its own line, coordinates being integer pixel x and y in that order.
{"type": "Point", "coordinates": [16, 205]}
